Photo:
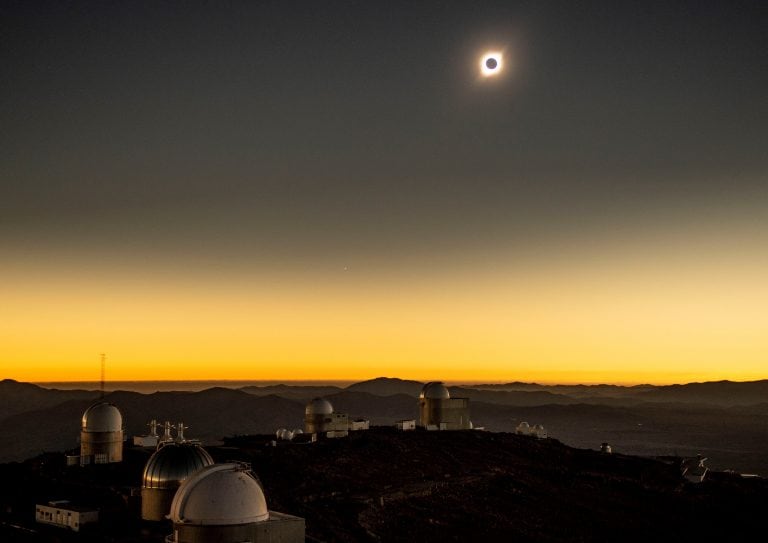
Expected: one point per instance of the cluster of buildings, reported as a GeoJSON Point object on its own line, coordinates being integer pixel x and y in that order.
{"type": "Point", "coordinates": [437, 411]}
{"type": "Point", "coordinates": [204, 501]}
{"type": "Point", "coordinates": [320, 420]}
{"type": "Point", "coordinates": [224, 502]}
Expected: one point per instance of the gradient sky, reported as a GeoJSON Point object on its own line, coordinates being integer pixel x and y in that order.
{"type": "Point", "coordinates": [328, 190]}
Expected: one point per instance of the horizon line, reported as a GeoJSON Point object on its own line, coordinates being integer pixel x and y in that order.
{"type": "Point", "coordinates": [454, 382]}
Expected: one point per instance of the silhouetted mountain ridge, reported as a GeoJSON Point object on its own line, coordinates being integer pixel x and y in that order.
{"type": "Point", "coordinates": [733, 436]}
{"type": "Point", "coordinates": [711, 392]}
{"type": "Point", "coordinates": [17, 397]}
{"type": "Point", "coordinates": [210, 414]}
{"type": "Point", "coordinates": [388, 386]}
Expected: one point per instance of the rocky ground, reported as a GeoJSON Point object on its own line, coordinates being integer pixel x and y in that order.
{"type": "Point", "coordinates": [384, 485]}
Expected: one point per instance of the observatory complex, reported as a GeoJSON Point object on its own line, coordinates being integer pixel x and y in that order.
{"type": "Point", "coordinates": [438, 411]}
{"type": "Point", "coordinates": [225, 503]}
{"type": "Point", "coordinates": [101, 435]}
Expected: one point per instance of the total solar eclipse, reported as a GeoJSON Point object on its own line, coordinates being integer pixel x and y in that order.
{"type": "Point", "coordinates": [491, 64]}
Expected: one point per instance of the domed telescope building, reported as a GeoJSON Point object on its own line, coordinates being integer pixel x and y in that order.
{"type": "Point", "coordinates": [438, 411]}
{"type": "Point", "coordinates": [226, 504]}
{"type": "Point", "coordinates": [166, 469]}
{"type": "Point", "coordinates": [320, 419]}
{"type": "Point", "coordinates": [101, 435]}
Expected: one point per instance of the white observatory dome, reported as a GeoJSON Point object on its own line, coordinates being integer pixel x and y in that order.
{"type": "Point", "coordinates": [172, 463]}
{"type": "Point", "coordinates": [102, 417]}
{"type": "Point", "coordinates": [319, 406]}
{"type": "Point", "coordinates": [435, 390]}
{"type": "Point", "coordinates": [221, 494]}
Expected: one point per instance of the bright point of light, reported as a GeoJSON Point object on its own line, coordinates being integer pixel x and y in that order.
{"type": "Point", "coordinates": [491, 63]}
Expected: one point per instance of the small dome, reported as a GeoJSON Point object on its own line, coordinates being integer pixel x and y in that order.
{"type": "Point", "coordinates": [319, 406]}
{"type": "Point", "coordinates": [219, 494]}
{"type": "Point", "coordinates": [172, 463]}
{"type": "Point", "coordinates": [102, 417]}
{"type": "Point", "coordinates": [435, 391]}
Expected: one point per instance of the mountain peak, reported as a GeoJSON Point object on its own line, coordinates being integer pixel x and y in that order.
{"type": "Point", "coordinates": [387, 386]}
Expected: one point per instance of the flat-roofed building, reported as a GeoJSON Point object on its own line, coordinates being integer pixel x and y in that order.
{"type": "Point", "coordinates": [65, 514]}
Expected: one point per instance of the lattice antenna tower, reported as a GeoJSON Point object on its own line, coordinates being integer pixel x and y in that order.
{"type": "Point", "coordinates": [103, 372]}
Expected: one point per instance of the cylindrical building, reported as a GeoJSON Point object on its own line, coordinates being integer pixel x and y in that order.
{"type": "Point", "coordinates": [438, 411]}
{"type": "Point", "coordinates": [101, 435]}
{"type": "Point", "coordinates": [166, 469]}
{"type": "Point", "coordinates": [317, 416]}
{"type": "Point", "coordinates": [431, 403]}
{"type": "Point", "coordinates": [225, 503]}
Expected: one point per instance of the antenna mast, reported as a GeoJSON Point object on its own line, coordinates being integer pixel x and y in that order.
{"type": "Point", "coordinates": [103, 370]}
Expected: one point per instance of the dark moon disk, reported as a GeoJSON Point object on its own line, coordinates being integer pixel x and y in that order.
{"type": "Point", "coordinates": [491, 63]}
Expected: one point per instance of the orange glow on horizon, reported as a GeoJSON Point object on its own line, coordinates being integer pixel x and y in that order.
{"type": "Point", "coordinates": [612, 321]}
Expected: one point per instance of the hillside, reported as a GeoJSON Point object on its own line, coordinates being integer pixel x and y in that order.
{"type": "Point", "coordinates": [16, 397]}
{"type": "Point", "coordinates": [294, 392]}
{"type": "Point", "coordinates": [732, 436]}
{"type": "Point", "coordinates": [387, 486]}
{"type": "Point", "coordinates": [479, 486]}
{"type": "Point", "coordinates": [211, 414]}
{"type": "Point", "coordinates": [387, 386]}
{"type": "Point", "coordinates": [726, 393]}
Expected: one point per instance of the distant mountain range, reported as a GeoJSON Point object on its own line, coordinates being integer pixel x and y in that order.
{"type": "Point", "coordinates": [726, 421]}
{"type": "Point", "coordinates": [722, 393]}
{"type": "Point", "coordinates": [16, 397]}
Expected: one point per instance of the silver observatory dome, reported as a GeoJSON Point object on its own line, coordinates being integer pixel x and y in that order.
{"type": "Point", "coordinates": [220, 494]}
{"type": "Point", "coordinates": [172, 463]}
{"type": "Point", "coordinates": [102, 417]}
{"type": "Point", "coordinates": [319, 406]}
{"type": "Point", "coordinates": [435, 390]}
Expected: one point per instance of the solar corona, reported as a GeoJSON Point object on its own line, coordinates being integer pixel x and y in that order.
{"type": "Point", "coordinates": [491, 64]}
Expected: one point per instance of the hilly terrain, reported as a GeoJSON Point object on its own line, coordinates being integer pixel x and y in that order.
{"type": "Point", "coordinates": [388, 486]}
{"type": "Point", "coordinates": [16, 397]}
{"type": "Point", "coordinates": [718, 424]}
{"type": "Point", "coordinates": [480, 486]}
{"type": "Point", "coordinates": [211, 414]}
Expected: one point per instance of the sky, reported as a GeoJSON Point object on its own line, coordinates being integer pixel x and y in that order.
{"type": "Point", "coordinates": [331, 190]}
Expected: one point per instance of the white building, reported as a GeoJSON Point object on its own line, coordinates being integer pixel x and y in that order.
{"type": "Point", "coordinates": [406, 424]}
{"type": "Point", "coordinates": [150, 440]}
{"type": "Point", "coordinates": [321, 420]}
{"type": "Point", "coordinates": [226, 504]}
{"type": "Point", "coordinates": [64, 514]}
{"type": "Point", "coordinates": [101, 435]}
{"type": "Point", "coordinates": [359, 424]}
